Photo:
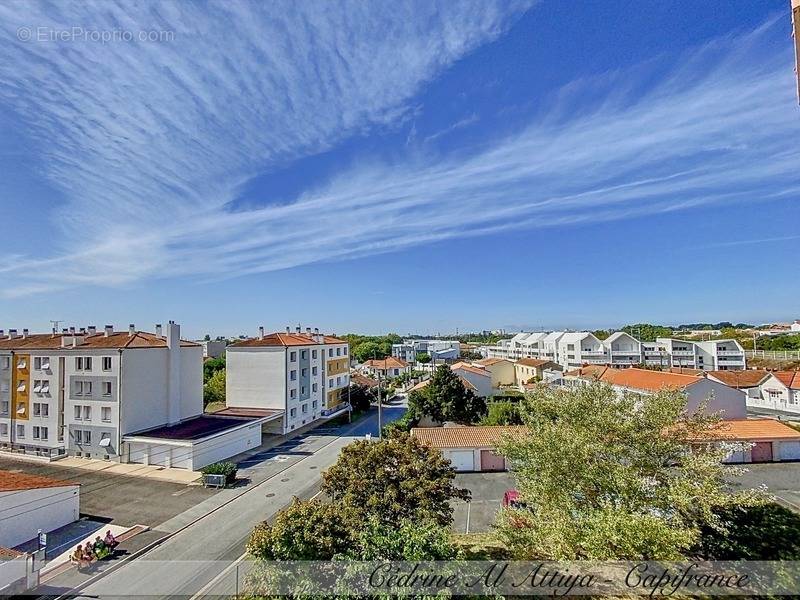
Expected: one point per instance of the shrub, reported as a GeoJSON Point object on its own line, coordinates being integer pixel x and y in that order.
{"type": "Point", "coordinates": [222, 468]}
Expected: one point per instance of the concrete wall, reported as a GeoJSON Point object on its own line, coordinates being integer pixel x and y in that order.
{"type": "Point", "coordinates": [719, 397]}
{"type": "Point", "coordinates": [26, 511]}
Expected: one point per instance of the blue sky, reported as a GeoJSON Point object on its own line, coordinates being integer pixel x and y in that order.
{"type": "Point", "coordinates": [398, 167]}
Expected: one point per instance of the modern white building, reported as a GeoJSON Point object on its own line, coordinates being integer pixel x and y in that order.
{"type": "Point", "coordinates": [571, 349]}
{"type": "Point", "coordinates": [436, 349]}
{"type": "Point", "coordinates": [302, 376]}
{"type": "Point", "coordinates": [213, 348]}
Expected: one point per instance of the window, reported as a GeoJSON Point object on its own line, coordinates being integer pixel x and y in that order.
{"type": "Point", "coordinates": [36, 432]}
{"type": "Point", "coordinates": [338, 381]}
{"type": "Point", "coordinates": [293, 356]}
{"type": "Point", "coordinates": [44, 433]}
{"type": "Point", "coordinates": [45, 386]}
{"type": "Point", "coordinates": [83, 363]}
{"type": "Point", "coordinates": [304, 372]}
{"type": "Point", "coordinates": [293, 375]}
{"type": "Point", "coordinates": [87, 388]}
{"type": "Point", "coordinates": [305, 408]}
{"type": "Point", "coordinates": [20, 431]}
{"type": "Point", "coordinates": [22, 365]}
{"type": "Point", "coordinates": [293, 413]}
{"type": "Point", "coordinates": [77, 412]}
{"type": "Point", "coordinates": [313, 354]}
{"type": "Point", "coordinates": [78, 388]}
{"type": "Point", "coordinates": [344, 350]}
{"type": "Point", "coordinates": [313, 370]}
{"type": "Point", "coordinates": [106, 385]}
{"type": "Point", "coordinates": [78, 436]}
{"type": "Point", "coordinates": [37, 386]}
{"type": "Point", "coordinates": [304, 354]}
{"type": "Point", "coordinates": [314, 404]}
{"type": "Point", "coordinates": [37, 409]}
{"type": "Point", "coordinates": [773, 394]}
{"type": "Point", "coordinates": [105, 414]}
{"type": "Point", "coordinates": [87, 436]}
{"type": "Point", "coordinates": [292, 394]}
{"type": "Point", "coordinates": [314, 387]}
{"type": "Point", "coordinates": [4, 407]}
{"type": "Point", "coordinates": [37, 363]}
{"type": "Point", "coordinates": [106, 363]}
{"type": "Point", "coordinates": [338, 352]}
{"type": "Point", "coordinates": [4, 386]}
{"type": "Point", "coordinates": [330, 383]}
{"type": "Point", "coordinates": [87, 413]}
{"type": "Point", "coordinates": [330, 351]}
{"type": "Point", "coordinates": [45, 408]}
{"type": "Point", "coordinates": [20, 408]}
{"type": "Point", "coordinates": [4, 429]}
{"type": "Point", "coordinates": [21, 386]}
{"type": "Point", "coordinates": [303, 390]}
{"type": "Point", "coordinates": [6, 362]}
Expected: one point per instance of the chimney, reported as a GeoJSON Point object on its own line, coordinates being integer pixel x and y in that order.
{"type": "Point", "coordinates": [92, 329]}
{"type": "Point", "coordinates": [316, 330]}
{"type": "Point", "coordinates": [83, 330]}
{"type": "Point", "coordinates": [158, 329]}
{"type": "Point", "coordinates": [108, 330]}
{"type": "Point", "coordinates": [288, 329]}
{"type": "Point", "coordinates": [131, 329]}
{"type": "Point", "coordinates": [308, 330]}
{"type": "Point", "coordinates": [2, 332]}
{"type": "Point", "coordinates": [298, 329]}
{"type": "Point", "coordinates": [261, 332]}
{"type": "Point", "coordinates": [72, 330]}
{"type": "Point", "coordinates": [74, 342]}
{"type": "Point", "coordinates": [12, 333]}
{"type": "Point", "coordinates": [174, 399]}
{"type": "Point", "coordinates": [64, 331]}
{"type": "Point", "coordinates": [24, 333]}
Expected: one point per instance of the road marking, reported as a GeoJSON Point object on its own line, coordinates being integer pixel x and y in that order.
{"type": "Point", "coordinates": [469, 506]}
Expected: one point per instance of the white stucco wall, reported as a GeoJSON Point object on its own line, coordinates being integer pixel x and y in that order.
{"type": "Point", "coordinates": [25, 511]}
{"type": "Point", "coordinates": [256, 377]}
{"type": "Point", "coordinates": [719, 397]}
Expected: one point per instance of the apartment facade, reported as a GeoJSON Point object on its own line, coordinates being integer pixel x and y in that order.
{"type": "Point", "coordinates": [79, 392]}
{"type": "Point", "coordinates": [436, 349]}
{"type": "Point", "coordinates": [304, 374]}
{"type": "Point", "coordinates": [572, 349]}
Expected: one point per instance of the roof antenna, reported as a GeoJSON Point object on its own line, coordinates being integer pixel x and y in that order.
{"type": "Point", "coordinates": [55, 324]}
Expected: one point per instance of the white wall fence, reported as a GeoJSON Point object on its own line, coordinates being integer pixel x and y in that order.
{"type": "Point", "coordinates": [774, 354]}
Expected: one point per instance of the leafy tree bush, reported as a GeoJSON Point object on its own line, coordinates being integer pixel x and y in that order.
{"type": "Point", "coordinates": [360, 397]}
{"type": "Point", "coordinates": [400, 426]}
{"type": "Point", "coordinates": [766, 532]}
{"type": "Point", "coordinates": [406, 540]}
{"type": "Point", "coordinates": [613, 477]}
{"type": "Point", "coordinates": [211, 366]}
{"type": "Point", "coordinates": [502, 413]}
{"type": "Point", "coordinates": [214, 388]}
{"type": "Point", "coordinates": [393, 479]}
{"type": "Point", "coordinates": [423, 357]}
{"type": "Point", "coordinates": [226, 468]}
{"type": "Point", "coordinates": [446, 399]}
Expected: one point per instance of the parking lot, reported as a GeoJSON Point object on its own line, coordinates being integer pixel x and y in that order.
{"type": "Point", "coordinates": [781, 479]}
{"type": "Point", "coordinates": [487, 494]}
{"type": "Point", "coordinates": [119, 499]}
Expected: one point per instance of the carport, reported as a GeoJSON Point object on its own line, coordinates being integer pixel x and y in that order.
{"type": "Point", "coordinates": [771, 440]}
{"type": "Point", "coordinates": [469, 448]}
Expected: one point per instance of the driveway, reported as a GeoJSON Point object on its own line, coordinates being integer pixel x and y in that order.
{"type": "Point", "coordinates": [781, 479]}
{"type": "Point", "coordinates": [487, 490]}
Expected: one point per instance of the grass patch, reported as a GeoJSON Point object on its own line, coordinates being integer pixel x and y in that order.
{"type": "Point", "coordinates": [213, 407]}
{"type": "Point", "coordinates": [480, 546]}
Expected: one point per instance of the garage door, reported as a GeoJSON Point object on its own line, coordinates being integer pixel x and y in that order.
{"type": "Point", "coordinates": [790, 451]}
{"type": "Point", "coordinates": [463, 460]}
{"type": "Point", "coordinates": [492, 462]}
{"type": "Point", "coordinates": [761, 452]}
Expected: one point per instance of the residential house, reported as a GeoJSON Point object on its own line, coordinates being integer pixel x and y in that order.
{"type": "Point", "coordinates": [299, 376]}
{"type": "Point", "coordinates": [795, 327]}
{"type": "Point", "coordinates": [764, 440]}
{"type": "Point", "coordinates": [386, 368]}
{"type": "Point", "coordinates": [779, 391]}
{"type": "Point", "coordinates": [501, 369]}
{"type": "Point", "coordinates": [699, 390]}
{"type": "Point", "coordinates": [527, 369]}
{"type": "Point", "coordinates": [749, 380]}
{"type": "Point", "coordinates": [478, 377]}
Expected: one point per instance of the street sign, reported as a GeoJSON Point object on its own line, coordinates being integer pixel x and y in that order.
{"type": "Point", "coordinates": [42, 539]}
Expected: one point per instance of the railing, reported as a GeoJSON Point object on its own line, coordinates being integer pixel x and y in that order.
{"type": "Point", "coordinates": [327, 412]}
{"type": "Point", "coordinates": [774, 354]}
{"type": "Point", "coordinates": [682, 353]}
{"type": "Point", "coordinates": [729, 353]}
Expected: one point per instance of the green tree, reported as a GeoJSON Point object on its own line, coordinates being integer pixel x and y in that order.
{"type": "Point", "coordinates": [406, 540]}
{"type": "Point", "coordinates": [611, 477]}
{"type": "Point", "coordinates": [211, 366]}
{"type": "Point", "coordinates": [647, 332]}
{"type": "Point", "coordinates": [360, 397]}
{"type": "Point", "coordinates": [502, 413]}
{"type": "Point", "coordinates": [423, 357]}
{"type": "Point", "coordinates": [446, 398]}
{"type": "Point", "coordinates": [394, 479]}
{"type": "Point", "coordinates": [214, 388]}
{"type": "Point", "coordinates": [305, 530]}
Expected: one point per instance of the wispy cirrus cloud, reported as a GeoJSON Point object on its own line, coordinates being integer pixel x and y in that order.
{"type": "Point", "coordinates": [153, 142]}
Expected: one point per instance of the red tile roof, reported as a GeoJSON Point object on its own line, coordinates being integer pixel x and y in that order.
{"type": "Point", "coordinates": [360, 379]}
{"type": "Point", "coordinates": [790, 379]}
{"type": "Point", "coordinates": [488, 362]}
{"type": "Point", "coordinates": [462, 366]}
{"type": "Point", "coordinates": [752, 430]}
{"type": "Point", "coordinates": [740, 379]}
{"type": "Point", "coordinates": [478, 436]}
{"type": "Point", "coordinates": [14, 481]}
{"type": "Point", "coordinates": [118, 339]}
{"type": "Point", "coordinates": [534, 362]}
{"type": "Point", "coordinates": [637, 379]}
{"type": "Point", "coordinates": [390, 362]}
{"type": "Point", "coordinates": [587, 372]}
{"type": "Point", "coordinates": [278, 339]}
{"type": "Point", "coordinates": [9, 554]}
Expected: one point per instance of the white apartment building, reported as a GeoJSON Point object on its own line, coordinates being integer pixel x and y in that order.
{"type": "Point", "coordinates": [436, 349]}
{"type": "Point", "coordinates": [80, 392]}
{"type": "Point", "coordinates": [573, 349]}
{"type": "Point", "coordinates": [302, 375]}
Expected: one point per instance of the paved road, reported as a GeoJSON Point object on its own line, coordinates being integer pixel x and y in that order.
{"type": "Point", "coordinates": [197, 553]}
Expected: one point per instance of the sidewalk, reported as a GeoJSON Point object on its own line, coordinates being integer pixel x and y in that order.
{"type": "Point", "coordinates": [135, 470]}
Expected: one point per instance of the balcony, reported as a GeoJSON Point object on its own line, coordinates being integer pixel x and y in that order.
{"type": "Point", "coordinates": [592, 353]}
{"type": "Point", "coordinates": [335, 411]}
{"type": "Point", "coordinates": [738, 353]}
{"type": "Point", "coordinates": [683, 353]}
